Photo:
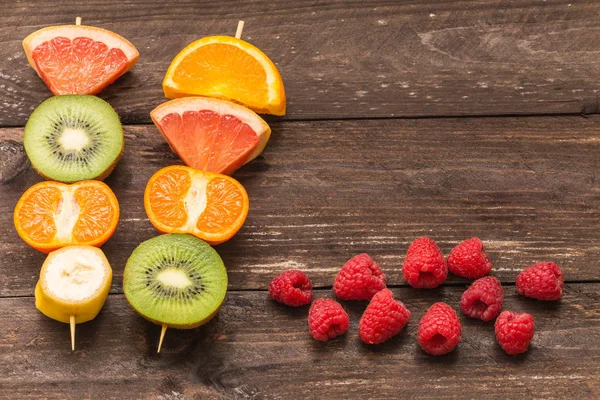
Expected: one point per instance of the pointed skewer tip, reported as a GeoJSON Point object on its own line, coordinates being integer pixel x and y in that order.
{"type": "Point", "coordinates": [72, 325]}
{"type": "Point", "coordinates": [162, 336]}
{"type": "Point", "coordinates": [240, 29]}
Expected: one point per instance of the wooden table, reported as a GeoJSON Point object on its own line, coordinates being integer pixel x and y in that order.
{"type": "Point", "coordinates": [449, 119]}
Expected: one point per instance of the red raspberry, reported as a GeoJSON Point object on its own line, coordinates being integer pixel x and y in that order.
{"type": "Point", "coordinates": [424, 265]}
{"type": "Point", "coordinates": [483, 299]}
{"type": "Point", "coordinates": [542, 281]}
{"type": "Point", "coordinates": [359, 279]}
{"type": "Point", "coordinates": [439, 330]}
{"type": "Point", "coordinates": [514, 331]}
{"type": "Point", "coordinates": [383, 318]}
{"type": "Point", "coordinates": [469, 260]}
{"type": "Point", "coordinates": [327, 319]}
{"type": "Point", "coordinates": [292, 288]}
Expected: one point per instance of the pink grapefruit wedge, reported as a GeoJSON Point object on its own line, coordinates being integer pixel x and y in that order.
{"type": "Point", "coordinates": [78, 59]}
{"type": "Point", "coordinates": [210, 134]}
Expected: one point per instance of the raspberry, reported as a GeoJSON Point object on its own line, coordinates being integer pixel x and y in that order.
{"type": "Point", "coordinates": [439, 330]}
{"type": "Point", "coordinates": [424, 265]}
{"type": "Point", "coordinates": [383, 318]}
{"type": "Point", "coordinates": [469, 260]}
{"type": "Point", "coordinates": [514, 331]}
{"type": "Point", "coordinates": [359, 279]}
{"type": "Point", "coordinates": [483, 299]}
{"type": "Point", "coordinates": [327, 319]}
{"type": "Point", "coordinates": [292, 288]}
{"type": "Point", "coordinates": [542, 281]}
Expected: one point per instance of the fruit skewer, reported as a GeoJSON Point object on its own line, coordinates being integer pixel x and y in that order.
{"type": "Point", "coordinates": [239, 30]}
{"type": "Point", "coordinates": [163, 331]}
{"type": "Point", "coordinates": [72, 326]}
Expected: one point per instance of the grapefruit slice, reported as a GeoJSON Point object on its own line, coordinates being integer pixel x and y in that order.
{"type": "Point", "coordinates": [210, 134]}
{"type": "Point", "coordinates": [227, 68]}
{"type": "Point", "coordinates": [78, 59]}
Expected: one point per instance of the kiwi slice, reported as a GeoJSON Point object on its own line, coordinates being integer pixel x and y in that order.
{"type": "Point", "coordinates": [73, 138]}
{"type": "Point", "coordinates": [175, 280]}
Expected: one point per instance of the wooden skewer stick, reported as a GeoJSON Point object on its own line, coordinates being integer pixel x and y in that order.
{"type": "Point", "coordinates": [162, 336]}
{"type": "Point", "coordinates": [72, 324]}
{"type": "Point", "coordinates": [77, 20]}
{"type": "Point", "coordinates": [240, 29]}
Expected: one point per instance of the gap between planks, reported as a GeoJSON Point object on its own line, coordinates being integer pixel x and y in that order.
{"type": "Point", "coordinates": [329, 288]}
{"type": "Point", "coordinates": [273, 119]}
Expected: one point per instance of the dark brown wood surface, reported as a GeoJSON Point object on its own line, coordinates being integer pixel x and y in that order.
{"type": "Point", "coordinates": [325, 191]}
{"type": "Point", "coordinates": [258, 349]}
{"type": "Point", "coordinates": [344, 172]}
{"type": "Point", "coordinates": [344, 59]}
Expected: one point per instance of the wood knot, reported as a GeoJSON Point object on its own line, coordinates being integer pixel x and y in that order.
{"type": "Point", "coordinates": [13, 160]}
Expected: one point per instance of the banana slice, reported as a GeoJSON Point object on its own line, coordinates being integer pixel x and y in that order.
{"type": "Point", "coordinates": [74, 282]}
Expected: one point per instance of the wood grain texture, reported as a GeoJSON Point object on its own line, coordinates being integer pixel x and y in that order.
{"type": "Point", "coordinates": [325, 191]}
{"type": "Point", "coordinates": [344, 59]}
{"type": "Point", "coordinates": [257, 349]}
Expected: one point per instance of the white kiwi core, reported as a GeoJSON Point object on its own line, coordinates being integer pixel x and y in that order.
{"type": "Point", "coordinates": [73, 139]}
{"type": "Point", "coordinates": [174, 277]}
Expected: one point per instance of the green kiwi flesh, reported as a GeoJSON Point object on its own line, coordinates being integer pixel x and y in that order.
{"type": "Point", "coordinates": [73, 137]}
{"type": "Point", "coordinates": [175, 279]}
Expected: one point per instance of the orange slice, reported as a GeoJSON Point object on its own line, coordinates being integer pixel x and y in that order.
{"type": "Point", "coordinates": [51, 215]}
{"type": "Point", "coordinates": [227, 68]}
{"type": "Point", "coordinates": [212, 135]}
{"type": "Point", "coordinates": [78, 59]}
{"type": "Point", "coordinates": [181, 199]}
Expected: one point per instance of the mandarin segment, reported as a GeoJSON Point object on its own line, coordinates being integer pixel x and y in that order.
{"type": "Point", "coordinates": [223, 207]}
{"type": "Point", "coordinates": [96, 214]}
{"type": "Point", "coordinates": [37, 214]}
{"type": "Point", "coordinates": [167, 195]}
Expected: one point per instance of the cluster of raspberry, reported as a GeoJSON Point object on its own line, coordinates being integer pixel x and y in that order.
{"type": "Point", "coordinates": [361, 278]}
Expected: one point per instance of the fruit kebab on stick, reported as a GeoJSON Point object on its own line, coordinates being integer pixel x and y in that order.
{"type": "Point", "coordinates": [218, 85]}
{"type": "Point", "coordinates": [75, 138]}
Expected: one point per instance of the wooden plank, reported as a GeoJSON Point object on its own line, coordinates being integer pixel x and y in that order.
{"type": "Point", "coordinates": [325, 191]}
{"type": "Point", "coordinates": [343, 59]}
{"type": "Point", "coordinates": [258, 349]}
